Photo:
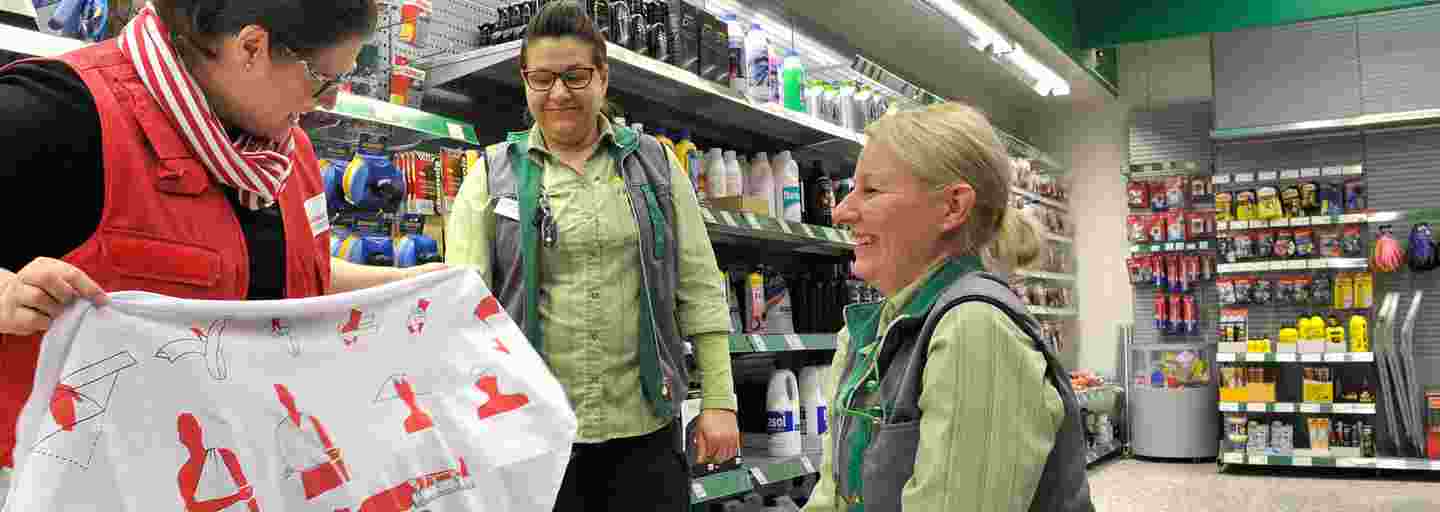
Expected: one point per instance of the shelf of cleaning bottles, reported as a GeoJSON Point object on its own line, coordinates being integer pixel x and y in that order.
{"type": "Point", "coordinates": [720, 485]}
{"type": "Point", "coordinates": [1319, 220]}
{"type": "Point", "coordinates": [1202, 245]}
{"type": "Point", "coordinates": [1283, 265]}
{"type": "Point", "coordinates": [1299, 461]}
{"type": "Point", "coordinates": [390, 114]}
{"type": "Point", "coordinates": [768, 470]}
{"type": "Point", "coordinates": [1271, 357]}
{"type": "Point", "coordinates": [756, 343]}
{"type": "Point", "coordinates": [667, 85]}
{"type": "Point", "coordinates": [1039, 199]}
{"type": "Point", "coordinates": [1301, 408]}
{"type": "Point", "coordinates": [745, 228]}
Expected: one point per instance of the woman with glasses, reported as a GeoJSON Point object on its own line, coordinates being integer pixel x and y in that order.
{"type": "Point", "coordinates": [945, 397]}
{"type": "Point", "coordinates": [591, 236]}
{"type": "Point", "coordinates": [172, 163]}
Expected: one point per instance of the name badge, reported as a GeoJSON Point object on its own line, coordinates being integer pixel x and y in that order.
{"type": "Point", "coordinates": [509, 208]}
{"type": "Point", "coordinates": [319, 217]}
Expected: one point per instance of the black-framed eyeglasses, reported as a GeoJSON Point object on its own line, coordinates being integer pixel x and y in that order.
{"type": "Point", "coordinates": [326, 81]}
{"type": "Point", "coordinates": [574, 78]}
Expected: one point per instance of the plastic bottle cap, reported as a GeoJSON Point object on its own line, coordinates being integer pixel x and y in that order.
{"type": "Point", "coordinates": [756, 26]}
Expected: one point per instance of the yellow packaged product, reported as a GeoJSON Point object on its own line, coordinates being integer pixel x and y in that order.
{"type": "Point", "coordinates": [1364, 290]}
{"type": "Point", "coordinates": [1334, 333]}
{"type": "Point", "coordinates": [1344, 291]}
{"type": "Point", "coordinates": [1359, 336]}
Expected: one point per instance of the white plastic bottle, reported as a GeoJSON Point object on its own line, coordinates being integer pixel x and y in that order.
{"type": "Point", "coordinates": [792, 202]}
{"type": "Point", "coordinates": [734, 185]}
{"type": "Point", "coordinates": [780, 403]}
{"type": "Point", "coordinates": [736, 35]}
{"type": "Point", "coordinates": [717, 175]}
{"type": "Point", "coordinates": [849, 109]}
{"type": "Point", "coordinates": [777, 184]}
{"type": "Point", "coordinates": [813, 422]}
{"type": "Point", "coordinates": [757, 64]}
{"type": "Point", "coordinates": [763, 188]}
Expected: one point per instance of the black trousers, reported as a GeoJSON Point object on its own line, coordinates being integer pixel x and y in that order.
{"type": "Point", "coordinates": [634, 474]}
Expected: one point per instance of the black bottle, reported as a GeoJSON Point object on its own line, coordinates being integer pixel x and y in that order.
{"type": "Point", "coordinates": [639, 28]}
{"type": "Point", "coordinates": [824, 199]}
{"type": "Point", "coordinates": [600, 12]}
{"type": "Point", "coordinates": [620, 22]}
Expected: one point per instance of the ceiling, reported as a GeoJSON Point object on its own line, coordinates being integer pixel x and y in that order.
{"type": "Point", "coordinates": [932, 52]}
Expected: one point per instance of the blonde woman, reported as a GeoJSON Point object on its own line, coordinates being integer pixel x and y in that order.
{"type": "Point", "coordinates": [944, 396]}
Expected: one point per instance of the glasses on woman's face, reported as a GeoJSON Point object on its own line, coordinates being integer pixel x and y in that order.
{"type": "Point", "coordinates": [574, 79]}
{"type": "Point", "coordinates": [326, 81]}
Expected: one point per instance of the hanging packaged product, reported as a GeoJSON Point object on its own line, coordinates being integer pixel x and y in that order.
{"type": "Point", "coordinates": [1225, 248]}
{"type": "Point", "coordinates": [1316, 389]}
{"type": "Point", "coordinates": [1244, 288]}
{"type": "Point", "coordinates": [1264, 243]}
{"type": "Point", "coordinates": [1421, 256]}
{"type": "Point", "coordinates": [1334, 335]}
{"type": "Point", "coordinates": [755, 320]}
{"type": "Point", "coordinates": [1159, 200]}
{"type": "Point", "coordinates": [1234, 325]}
{"type": "Point", "coordinates": [1387, 255]}
{"type": "Point", "coordinates": [1267, 205]}
{"type": "Point", "coordinates": [1223, 206]}
{"type": "Point", "coordinates": [1225, 288]}
{"type": "Point", "coordinates": [1244, 245]}
{"type": "Point", "coordinates": [1310, 198]}
{"type": "Point", "coordinates": [779, 312]}
{"type": "Point", "coordinates": [1245, 205]}
{"type": "Point", "coordinates": [406, 83]}
{"type": "Point", "coordinates": [1201, 189]}
{"type": "Point", "coordinates": [1191, 317]}
{"type": "Point", "coordinates": [1191, 267]}
{"type": "Point", "coordinates": [414, 16]}
{"type": "Point", "coordinates": [1263, 291]}
{"type": "Point", "coordinates": [1197, 223]}
{"type": "Point", "coordinates": [1304, 243]}
{"type": "Point", "coordinates": [1359, 335]}
{"type": "Point", "coordinates": [1290, 199]}
{"type": "Point", "coordinates": [1328, 242]}
{"type": "Point", "coordinates": [1157, 231]}
{"type": "Point", "coordinates": [1284, 244]}
{"type": "Point", "coordinates": [1138, 193]}
{"type": "Point", "coordinates": [1319, 287]}
{"type": "Point", "coordinates": [1207, 267]}
{"type": "Point", "coordinates": [1344, 291]}
{"type": "Point", "coordinates": [1157, 265]}
{"type": "Point", "coordinates": [1174, 272]}
{"type": "Point", "coordinates": [1364, 289]}
{"type": "Point", "coordinates": [1351, 245]}
{"type": "Point", "coordinates": [1356, 199]}
{"type": "Point", "coordinates": [1285, 290]}
{"type": "Point", "coordinates": [1332, 199]}
{"type": "Point", "coordinates": [1176, 324]}
{"type": "Point", "coordinates": [1175, 191]}
{"type": "Point", "coordinates": [1132, 266]}
{"type": "Point", "coordinates": [1175, 225]}
{"type": "Point", "coordinates": [1160, 317]}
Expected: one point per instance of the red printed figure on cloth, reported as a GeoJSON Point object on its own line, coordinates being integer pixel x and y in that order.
{"type": "Point", "coordinates": [308, 450]}
{"type": "Point", "coordinates": [211, 480]}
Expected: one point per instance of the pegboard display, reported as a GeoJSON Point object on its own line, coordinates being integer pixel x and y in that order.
{"type": "Point", "coordinates": [455, 26]}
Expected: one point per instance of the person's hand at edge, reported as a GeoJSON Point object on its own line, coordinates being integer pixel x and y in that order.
{"type": "Point", "coordinates": [717, 436]}
{"type": "Point", "coordinates": [33, 297]}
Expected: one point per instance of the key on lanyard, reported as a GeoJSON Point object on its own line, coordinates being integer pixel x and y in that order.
{"type": "Point", "coordinates": [549, 233]}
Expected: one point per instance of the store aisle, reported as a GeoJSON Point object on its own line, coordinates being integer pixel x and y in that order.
{"type": "Point", "coordinates": [1132, 485]}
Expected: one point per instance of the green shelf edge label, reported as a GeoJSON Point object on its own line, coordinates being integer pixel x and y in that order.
{"type": "Point", "coordinates": [376, 111]}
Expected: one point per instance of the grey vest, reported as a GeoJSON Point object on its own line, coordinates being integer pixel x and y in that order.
{"type": "Point", "coordinates": [645, 167]}
{"type": "Point", "coordinates": [889, 460]}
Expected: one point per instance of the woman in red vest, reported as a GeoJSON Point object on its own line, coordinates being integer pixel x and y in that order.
{"type": "Point", "coordinates": [173, 163]}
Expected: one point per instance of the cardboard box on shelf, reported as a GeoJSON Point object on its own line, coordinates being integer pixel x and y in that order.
{"type": "Point", "coordinates": [753, 205]}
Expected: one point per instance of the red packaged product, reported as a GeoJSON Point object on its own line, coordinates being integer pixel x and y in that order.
{"type": "Point", "coordinates": [1192, 272]}
{"type": "Point", "coordinates": [1175, 225]}
{"type": "Point", "coordinates": [1160, 317]}
{"type": "Point", "coordinates": [1174, 272]}
{"type": "Point", "coordinates": [1157, 266]}
{"type": "Point", "coordinates": [1132, 264]}
{"type": "Point", "coordinates": [1139, 228]}
{"type": "Point", "coordinates": [1157, 228]}
{"type": "Point", "coordinates": [1192, 320]}
{"type": "Point", "coordinates": [1139, 194]}
{"type": "Point", "coordinates": [1177, 313]}
{"type": "Point", "coordinates": [1158, 199]}
{"type": "Point", "coordinates": [1196, 225]}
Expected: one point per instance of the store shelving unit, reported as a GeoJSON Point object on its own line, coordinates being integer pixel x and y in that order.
{"type": "Point", "coordinates": [751, 230]}
{"type": "Point", "coordinates": [1272, 357]}
{"type": "Point", "coordinates": [763, 343]}
{"type": "Point", "coordinates": [1356, 124]}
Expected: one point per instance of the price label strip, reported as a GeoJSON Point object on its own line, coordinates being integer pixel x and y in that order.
{"type": "Point", "coordinates": [1244, 177]}
{"type": "Point", "coordinates": [1285, 358]}
{"type": "Point", "coordinates": [1310, 172]}
{"type": "Point", "coordinates": [758, 342]}
{"type": "Point", "coordinates": [1311, 358]}
{"type": "Point", "coordinates": [805, 462]}
{"type": "Point", "coordinates": [1290, 174]}
{"type": "Point", "coordinates": [698, 490]}
{"type": "Point", "coordinates": [1255, 358]}
{"type": "Point", "coordinates": [1333, 171]}
{"type": "Point", "coordinates": [1284, 407]}
{"type": "Point", "coordinates": [1225, 358]}
{"type": "Point", "coordinates": [1265, 176]}
{"type": "Point", "coordinates": [1220, 179]}
{"type": "Point", "coordinates": [793, 341]}
{"type": "Point", "coordinates": [785, 226]}
{"type": "Point", "coordinates": [1234, 458]}
{"type": "Point", "coordinates": [1302, 461]}
{"type": "Point", "coordinates": [1229, 407]}
{"type": "Point", "coordinates": [1261, 460]}
{"type": "Point", "coordinates": [1255, 407]}
{"type": "Point", "coordinates": [456, 131]}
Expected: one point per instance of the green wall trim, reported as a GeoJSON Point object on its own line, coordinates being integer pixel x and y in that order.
{"type": "Point", "coordinates": [1059, 21]}
{"type": "Point", "coordinates": [1112, 22]}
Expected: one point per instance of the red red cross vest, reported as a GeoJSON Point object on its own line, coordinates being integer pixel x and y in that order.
{"type": "Point", "coordinates": [167, 226]}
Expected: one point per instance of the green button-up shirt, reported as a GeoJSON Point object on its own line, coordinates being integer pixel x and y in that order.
{"type": "Point", "coordinates": [590, 287]}
{"type": "Point", "coordinates": [989, 417]}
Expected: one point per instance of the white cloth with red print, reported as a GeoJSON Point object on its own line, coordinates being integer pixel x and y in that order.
{"type": "Point", "coordinates": [418, 395]}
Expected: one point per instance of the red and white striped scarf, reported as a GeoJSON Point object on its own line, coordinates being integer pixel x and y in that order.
{"type": "Point", "coordinates": [257, 167]}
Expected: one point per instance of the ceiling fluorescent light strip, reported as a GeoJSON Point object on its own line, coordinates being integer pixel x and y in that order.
{"type": "Point", "coordinates": [1042, 79]}
{"type": "Point", "coordinates": [982, 36]}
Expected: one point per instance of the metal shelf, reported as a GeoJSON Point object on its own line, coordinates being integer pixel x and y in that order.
{"type": "Point", "coordinates": [751, 230]}
{"type": "Point", "coordinates": [1400, 463]}
{"type": "Point", "coordinates": [1037, 198]}
{"type": "Point", "coordinates": [1357, 123]}
{"type": "Point", "coordinates": [1047, 276]}
{"type": "Point", "coordinates": [758, 343]}
{"type": "Point", "coordinates": [1288, 265]}
{"type": "Point", "coordinates": [1283, 175]}
{"type": "Point", "coordinates": [670, 86]}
